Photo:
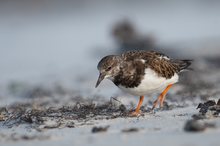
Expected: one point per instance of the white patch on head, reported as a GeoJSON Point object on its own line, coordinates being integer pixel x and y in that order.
{"type": "Point", "coordinates": [142, 60]}
{"type": "Point", "coordinates": [151, 83]}
{"type": "Point", "coordinates": [164, 57]}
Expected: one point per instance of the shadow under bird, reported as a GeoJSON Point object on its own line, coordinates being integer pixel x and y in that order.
{"type": "Point", "coordinates": [142, 72]}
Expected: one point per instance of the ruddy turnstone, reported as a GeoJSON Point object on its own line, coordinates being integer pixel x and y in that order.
{"type": "Point", "coordinates": [128, 37]}
{"type": "Point", "coordinates": [142, 72]}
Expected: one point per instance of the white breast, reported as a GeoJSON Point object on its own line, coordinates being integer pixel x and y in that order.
{"type": "Point", "coordinates": [151, 83]}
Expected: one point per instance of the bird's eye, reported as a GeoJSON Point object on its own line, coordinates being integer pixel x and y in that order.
{"type": "Point", "coordinates": [109, 68]}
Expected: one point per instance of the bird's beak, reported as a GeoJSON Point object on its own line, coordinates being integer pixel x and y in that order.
{"type": "Point", "coordinates": [101, 77]}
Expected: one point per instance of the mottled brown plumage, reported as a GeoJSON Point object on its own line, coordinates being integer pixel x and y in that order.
{"type": "Point", "coordinates": [128, 68]}
{"type": "Point", "coordinates": [160, 63]}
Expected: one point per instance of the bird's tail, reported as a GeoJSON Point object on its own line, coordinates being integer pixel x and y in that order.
{"type": "Point", "coordinates": [184, 64]}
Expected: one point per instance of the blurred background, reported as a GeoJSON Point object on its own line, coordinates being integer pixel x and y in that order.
{"type": "Point", "coordinates": [54, 42]}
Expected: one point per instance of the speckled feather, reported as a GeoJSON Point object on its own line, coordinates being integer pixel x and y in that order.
{"type": "Point", "coordinates": [135, 63]}
{"type": "Point", "coordinates": [160, 63]}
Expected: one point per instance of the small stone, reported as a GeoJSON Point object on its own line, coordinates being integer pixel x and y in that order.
{"type": "Point", "coordinates": [130, 130]}
{"type": "Point", "coordinates": [199, 106]}
{"type": "Point", "coordinates": [204, 107]}
{"type": "Point", "coordinates": [99, 129]}
{"type": "Point", "coordinates": [122, 108]}
{"type": "Point", "coordinates": [70, 124]}
{"type": "Point", "coordinates": [197, 126]}
{"type": "Point", "coordinates": [194, 126]}
{"type": "Point", "coordinates": [210, 103]}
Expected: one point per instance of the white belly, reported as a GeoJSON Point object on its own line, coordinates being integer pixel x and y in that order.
{"type": "Point", "coordinates": [151, 83]}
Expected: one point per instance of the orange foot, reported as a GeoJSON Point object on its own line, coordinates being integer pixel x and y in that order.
{"type": "Point", "coordinates": [134, 114]}
{"type": "Point", "coordinates": [137, 113]}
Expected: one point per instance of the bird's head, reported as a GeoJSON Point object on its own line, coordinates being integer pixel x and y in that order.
{"type": "Point", "coordinates": [109, 67]}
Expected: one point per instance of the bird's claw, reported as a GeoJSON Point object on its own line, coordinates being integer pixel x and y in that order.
{"type": "Point", "coordinates": [135, 114]}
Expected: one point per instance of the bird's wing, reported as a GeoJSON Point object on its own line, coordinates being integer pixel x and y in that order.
{"type": "Point", "coordinates": [141, 54]}
{"type": "Point", "coordinates": [160, 63]}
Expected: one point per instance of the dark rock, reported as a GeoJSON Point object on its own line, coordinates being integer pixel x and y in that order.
{"type": "Point", "coordinates": [27, 118]}
{"type": "Point", "coordinates": [130, 130]}
{"type": "Point", "coordinates": [204, 107]}
{"type": "Point", "coordinates": [99, 129]}
{"type": "Point", "coordinates": [194, 126]}
{"type": "Point", "coordinates": [17, 137]}
{"type": "Point", "coordinates": [197, 126]}
{"type": "Point", "coordinates": [200, 105]}
{"type": "Point", "coordinates": [210, 103]}
{"type": "Point", "coordinates": [122, 108]}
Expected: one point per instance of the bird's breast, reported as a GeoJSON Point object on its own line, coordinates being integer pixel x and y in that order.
{"type": "Point", "coordinates": [150, 83]}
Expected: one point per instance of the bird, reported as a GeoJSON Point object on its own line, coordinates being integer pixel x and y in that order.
{"type": "Point", "coordinates": [128, 37]}
{"type": "Point", "coordinates": [141, 72]}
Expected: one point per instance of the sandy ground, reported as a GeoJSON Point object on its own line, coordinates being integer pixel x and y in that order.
{"type": "Point", "coordinates": [44, 118]}
{"type": "Point", "coordinates": [161, 128]}
{"type": "Point", "coordinates": [36, 115]}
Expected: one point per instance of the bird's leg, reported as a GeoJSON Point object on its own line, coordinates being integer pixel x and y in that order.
{"type": "Point", "coordinates": [137, 110]}
{"type": "Point", "coordinates": [162, 96]}
{"type": "Point", "coordinates": [156, 101]}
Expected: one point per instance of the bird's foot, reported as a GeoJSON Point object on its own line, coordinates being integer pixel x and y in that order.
{"type": "Point", "coordinates": [153, 109]}
{"type": "Point", "coordinates": [156, 103]}
{"type": "Point", "coordinates": [134, 114]}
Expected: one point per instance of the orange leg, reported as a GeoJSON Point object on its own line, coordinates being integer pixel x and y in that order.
{"type": "Point", "coordinates": [137, 110]}
{"type": "Point", "coordinates": [161, 98]}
